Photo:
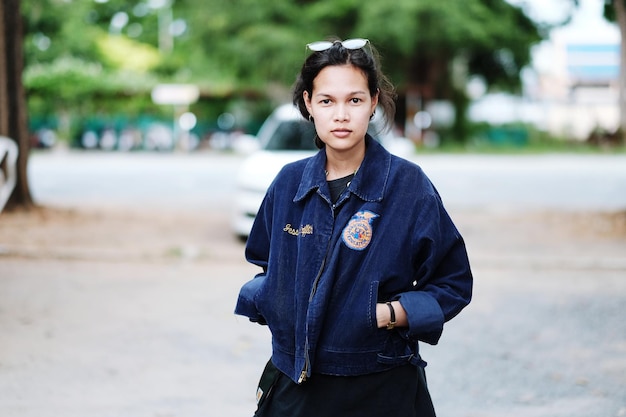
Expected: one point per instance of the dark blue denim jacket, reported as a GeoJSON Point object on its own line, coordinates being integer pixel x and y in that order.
{"type": "Point", "coordinates": [326, 266]}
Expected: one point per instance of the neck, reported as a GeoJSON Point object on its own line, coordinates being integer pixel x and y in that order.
{"type": "Point", "coordinates": [340, 167]}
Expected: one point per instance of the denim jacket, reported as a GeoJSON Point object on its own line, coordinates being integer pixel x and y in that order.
{"type": "Point", "coordinates": [325, 266]}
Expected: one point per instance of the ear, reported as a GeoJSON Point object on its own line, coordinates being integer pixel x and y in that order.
{"type": "Point", "coordinates": [307, 100]}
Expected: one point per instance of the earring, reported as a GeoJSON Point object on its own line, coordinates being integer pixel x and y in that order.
{"type": "Point", "coordinates": [310, 118]}
{"type": "Point", "coordinates": [372, 116]}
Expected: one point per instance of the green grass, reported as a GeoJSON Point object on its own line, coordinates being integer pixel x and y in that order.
{"type": "Point", "coordinates": [518, 139]}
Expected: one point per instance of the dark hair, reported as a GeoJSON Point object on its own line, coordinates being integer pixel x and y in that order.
{"type": "Point", "coordinates": [366, 59]}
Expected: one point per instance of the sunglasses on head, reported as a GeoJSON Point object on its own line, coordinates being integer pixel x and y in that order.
{"type": "Point", "coordinates": [356, 43]}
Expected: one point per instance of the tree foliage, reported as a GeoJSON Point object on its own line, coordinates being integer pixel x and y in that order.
{"type": "Point", "coordinates": [239, 47]}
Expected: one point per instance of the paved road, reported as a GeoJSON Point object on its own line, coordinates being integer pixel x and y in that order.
{"type": "Point", "coordinates": [201, 180]}
{"type": "Point", "coordinates": [571, 182]}
{"type": "Point", "coordinates": [204, 180]}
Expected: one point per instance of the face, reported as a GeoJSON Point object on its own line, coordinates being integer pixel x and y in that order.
{"type": "Point", "coordinates": [341, 106]}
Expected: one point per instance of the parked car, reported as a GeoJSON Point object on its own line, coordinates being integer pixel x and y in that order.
{"type": "Point", "coordinates": [285, 137]}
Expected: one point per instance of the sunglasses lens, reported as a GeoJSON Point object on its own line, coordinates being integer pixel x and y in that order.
{"type": "Point", "coordinates": [319, 46]}
{"type": "Point", "coordinates": [354, 43]}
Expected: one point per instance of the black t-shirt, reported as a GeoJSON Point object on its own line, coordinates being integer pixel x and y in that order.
{"type": "Point", "coordinates": [337, 186]}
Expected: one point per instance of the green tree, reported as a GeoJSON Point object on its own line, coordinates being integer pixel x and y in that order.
{"type": "Point", "coordinates": [243, 47]}
{"type": "Point", "coordinates": [429, 48]}
{"type": "Point", "coordinates": [97, 71]}
{"type": "Point", "coordinates": [452, 41]}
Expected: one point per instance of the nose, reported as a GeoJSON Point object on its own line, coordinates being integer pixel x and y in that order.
{"type": "Point", "coordinates": [341, 114]}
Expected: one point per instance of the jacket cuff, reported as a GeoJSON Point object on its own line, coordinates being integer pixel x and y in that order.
{"type": "Point", "coordinates": [424, 316]}
{"type": "Point", "coordinates": [246, 305]}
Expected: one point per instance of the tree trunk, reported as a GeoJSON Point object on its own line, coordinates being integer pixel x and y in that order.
{"type": "Point", "coordinates": [13, 118]}
{"type": "Point", "coordinates": [620, 14]}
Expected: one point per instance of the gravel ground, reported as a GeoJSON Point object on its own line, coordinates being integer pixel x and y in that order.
{"type": "Point", "coordinates": [113, 312]}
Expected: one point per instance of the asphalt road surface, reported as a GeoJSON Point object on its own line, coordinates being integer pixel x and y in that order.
{"type": "Point", "coordinates": [206, 180]}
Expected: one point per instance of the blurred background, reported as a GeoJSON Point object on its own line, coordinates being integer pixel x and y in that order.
{"type": "Point", "coordinates": [132, 131]}
{"type": "Point", "coordinates": [474, 74]}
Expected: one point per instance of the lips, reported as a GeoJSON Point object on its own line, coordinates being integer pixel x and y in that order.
{"type": "Point", "coordinates": [341, 133]}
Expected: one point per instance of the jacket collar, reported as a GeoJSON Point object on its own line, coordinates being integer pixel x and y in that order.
{"type": "Point", "coordinates": [369, 183]}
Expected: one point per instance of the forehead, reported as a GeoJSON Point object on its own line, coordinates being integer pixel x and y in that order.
{"type": "Point", "coordinates": [337, 79]}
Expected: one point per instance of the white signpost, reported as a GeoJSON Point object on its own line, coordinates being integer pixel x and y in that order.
{"type": "Point", "coordinates": [175, 94]}
{"type": "Point", "coordinates": [180, 96]}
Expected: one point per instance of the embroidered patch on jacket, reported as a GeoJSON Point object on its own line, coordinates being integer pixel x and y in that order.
{"type": "Point", "coordinates": [301, 231]}
{"type": "Point", "coordinates": [358, 233]}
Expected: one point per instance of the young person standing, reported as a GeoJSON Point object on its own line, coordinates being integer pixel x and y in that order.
{"type": "Point", "coordinates": [359, 259]}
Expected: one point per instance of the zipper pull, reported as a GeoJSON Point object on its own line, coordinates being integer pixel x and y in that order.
{"type": "Point", "coordinates": [302, 377]}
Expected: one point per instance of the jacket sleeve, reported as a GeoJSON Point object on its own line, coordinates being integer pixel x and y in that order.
{"type": "Point", "coordinates": [443, 283]}
{"type": "Point", "coordinates": [257, 253]}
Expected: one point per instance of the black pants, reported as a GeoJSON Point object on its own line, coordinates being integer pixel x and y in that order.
{"type": "Point", "coordinates": [398, 392]}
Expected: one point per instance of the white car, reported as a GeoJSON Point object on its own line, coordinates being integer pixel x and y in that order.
{"type": "Point", "coordinates": [285, 137]}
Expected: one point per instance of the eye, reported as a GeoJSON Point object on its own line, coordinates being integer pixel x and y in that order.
{"type": "Point", "coordinates": [355, 100]}
{"type": "Point", "coordinates": [325, 101]}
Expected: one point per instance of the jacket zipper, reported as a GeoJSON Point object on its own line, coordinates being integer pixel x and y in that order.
{"type": "Point", "coordinates": [305, 371]}
{"type": "Point", "coordinates": [307, 361]}
{"type": "Point", "coordinates": [303, 374]}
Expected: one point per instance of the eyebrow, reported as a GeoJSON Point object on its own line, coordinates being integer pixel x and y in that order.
{"type": "Point", "coordinates": [353, 93]}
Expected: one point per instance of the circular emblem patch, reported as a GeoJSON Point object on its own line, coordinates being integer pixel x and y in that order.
{"type": "Point", "coordinates": [358, 232]}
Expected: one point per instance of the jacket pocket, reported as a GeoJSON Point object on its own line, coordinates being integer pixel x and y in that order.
{"type": "Point", "coordinates": [351, 324]}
